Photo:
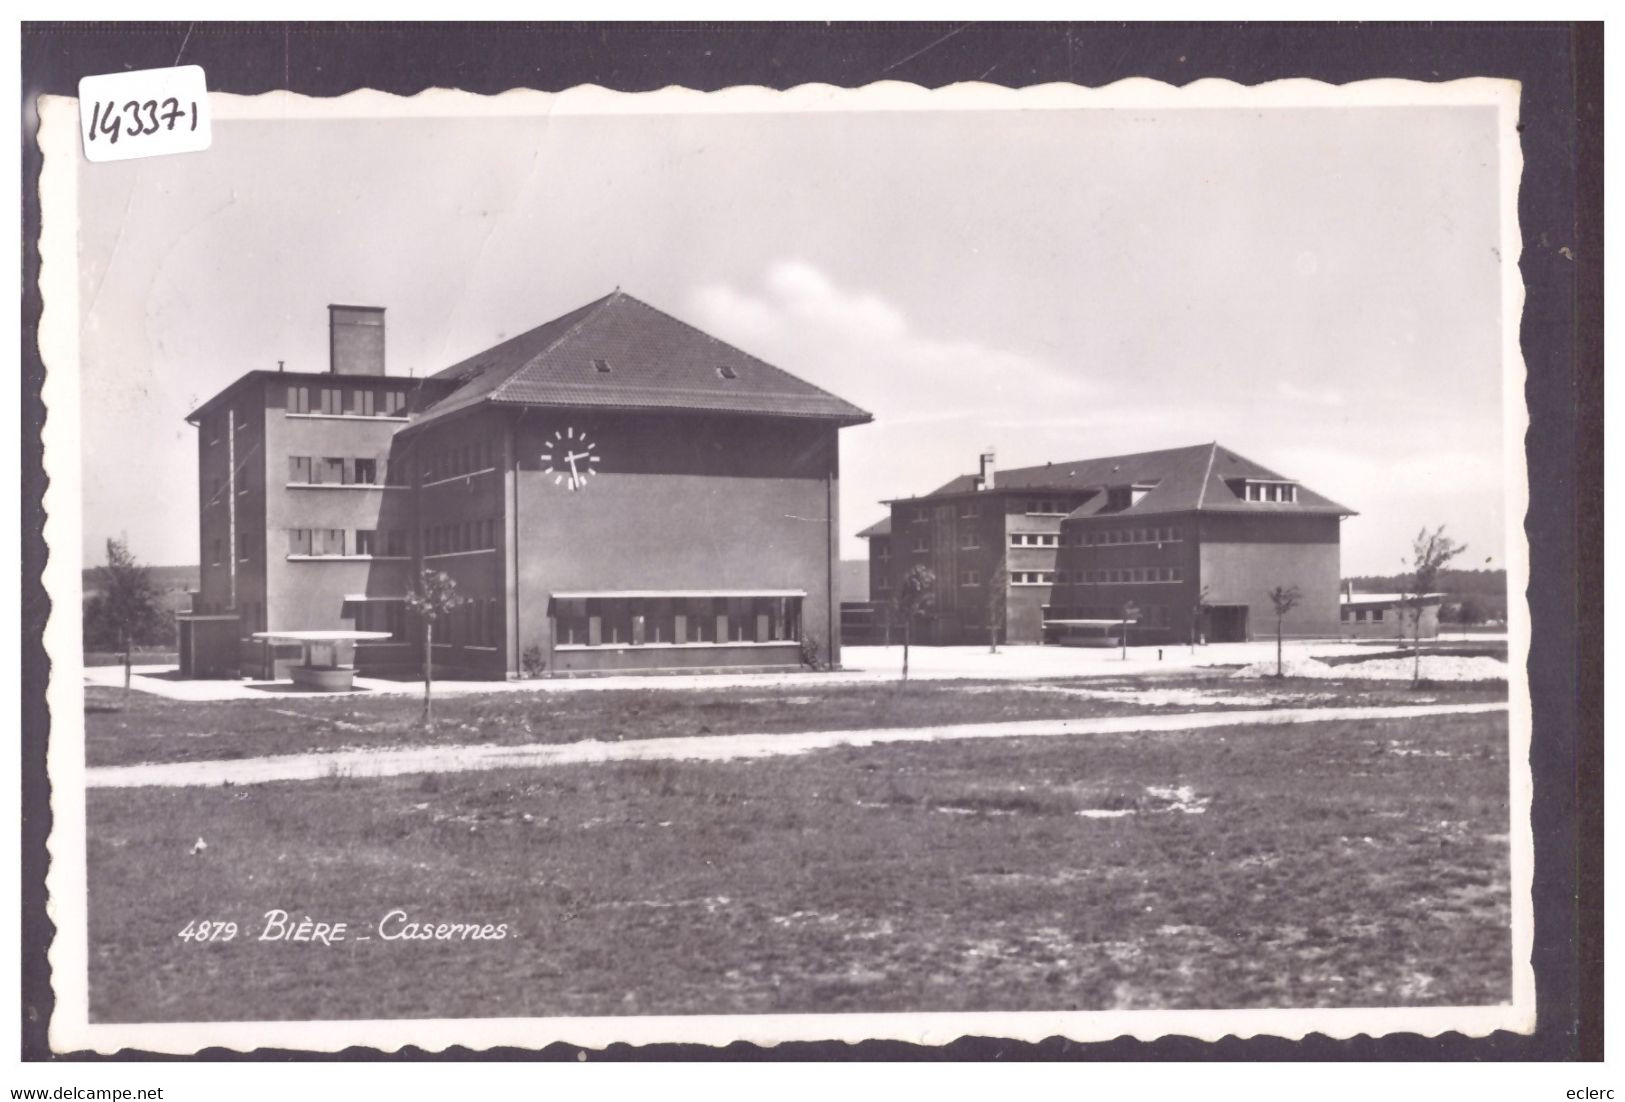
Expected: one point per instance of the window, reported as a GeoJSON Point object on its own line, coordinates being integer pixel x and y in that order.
{"type": "Point", "coordinates": [298, 399]}
{"type": "Point", "coordinates": [245, 545]}
{"type": "Point", "coordinates": [366, 541]}
{"type": "Point", "coordinates": [394, 402]}
{"type": "Point", "coordinates": [362, 402]}
{"type": "Point", "coordinates": [332, 471]}
{"type": "Point", "coordinates": [366, 472]}
{"type": "Point", "coordinates": [1376, 615]}
{"type": "Point", "coordinates": [332, 541]}
{"type": "Point", "coordinates": [884, 583]}
{"type": "Point", "coordinates": [332, 400]}
{"type": "Point", "coordinates": [601, 366]}
{"type": "Point", "coordinates": [969, 510]}
{"type": "Point", "coordinates": [387, 616]}
{"type": "Point", "coordinates": [921, 545]}
{"type": "Point", "coordinates": [219, 552]}
{"type": "Point", "coordinates": [967, 539]}
{"type": "Point", "coordinates": [394, 540]}
{"type": "Point", "coordinates": [727, 372]}
{"type": "Point", "coordinates": [970, 578]}
{"type": "Point", "coordinates": [882, 550]}
{"type": "Point", "coordinates": [299, 541]}
{"type": "Point", "coordinates": [298, 468]}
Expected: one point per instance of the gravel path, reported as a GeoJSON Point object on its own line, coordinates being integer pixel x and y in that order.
{"type": "Point", "coordinates": [470, 758]}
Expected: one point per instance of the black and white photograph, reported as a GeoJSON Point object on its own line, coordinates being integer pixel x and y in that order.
{"type": "Point", "coordinates": [836, 563]}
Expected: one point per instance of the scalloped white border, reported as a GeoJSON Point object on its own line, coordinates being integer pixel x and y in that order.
{"type": "Point", "coordinates": [70, 1028]}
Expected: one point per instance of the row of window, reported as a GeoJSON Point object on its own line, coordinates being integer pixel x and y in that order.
{"type": "Point", "coordinates": [1137, 575]}
{"type": "Point", "coordinates": [477, 622]}
{"type": "Point", "coordinates": [474, 623]}
{"type": "Point", "coordinates": [1363, 615]}
{"type": "Point", "coordinates": [382, 543]}
{"type": "Point", "coordinates": [387, 616]}
{"type": "Point", "coordinates": [354, 401]}
{"type": "Point", "coordinates": [246, 542]}
{"type": "Point", "coordinates": [215, 426]}
{"type": "Point", "coordinates": [646, 621]}
{"type": "Point", "coordinates": [1168, 533]}
{"type": "Point", "coordinates": [466, 459]}
{"type": "Point", "coordinates": [968, 540]}
{"type": "Point", "coordinates": [1270, 491]}
{"type": "Point", "coordinates": [333, 470]}
{"type": "Point", "coordinates": [970, 510]}
{"type": "Point", "coordinates": [468, 535]}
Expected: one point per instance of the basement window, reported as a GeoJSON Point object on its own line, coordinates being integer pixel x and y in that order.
{"type": "Point", "coordinates": [727, 372]}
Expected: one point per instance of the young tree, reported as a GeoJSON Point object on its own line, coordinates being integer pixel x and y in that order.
{"type": "Point", "coordinates": [1430, 551]}
{"type": "Point", "coordinates": [998, 585]}
{"type": "Point", "coordinates": [435, 598]}
{"type": "Point", "coordinates": [915, 594]}
{"type": "Point", "coordinates": [126, 611]}
{"type": "Point", "coordinates": [1284, 599]}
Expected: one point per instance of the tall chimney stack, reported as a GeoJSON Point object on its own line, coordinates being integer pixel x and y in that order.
{"type": "Point", "coordinates": [985, 476]}
{"type": "Point", "coordinates": [355, 340]}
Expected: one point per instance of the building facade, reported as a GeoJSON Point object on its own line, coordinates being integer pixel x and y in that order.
{"type": "Point", "coordinates": [612, 490]}
{"type": "Point", "coordinates": [1168, 546]}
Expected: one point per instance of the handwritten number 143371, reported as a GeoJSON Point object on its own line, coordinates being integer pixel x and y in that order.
{"type": "Point", "coordinates": [135, 118]}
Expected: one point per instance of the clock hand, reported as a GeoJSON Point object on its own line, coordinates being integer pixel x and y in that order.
{"type": "Point", "coordinates": [575, 477]}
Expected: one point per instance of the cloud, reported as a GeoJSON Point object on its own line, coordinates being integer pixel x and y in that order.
{"type": "Point", "coordinates": [862, 346]}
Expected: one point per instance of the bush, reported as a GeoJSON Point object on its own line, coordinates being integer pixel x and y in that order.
{"type": "Point", "coordinates": [810, 652]}
{"type": "Point", "coordinates": [534, 660]}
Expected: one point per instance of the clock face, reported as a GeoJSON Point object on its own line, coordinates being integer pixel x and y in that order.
{"type": "Point", "coordinates": [570, 458]}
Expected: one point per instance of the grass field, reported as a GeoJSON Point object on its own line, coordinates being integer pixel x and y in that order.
{"type": "Point", "coordinates": [151, 728]}
{"type": "Point", "coordinates": [1326, 864]}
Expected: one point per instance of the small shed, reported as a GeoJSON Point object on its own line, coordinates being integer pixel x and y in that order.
{"type": "Point", "coordinates": [1389, 615]}
{"type": "Point", "coordinates": [208, 644]}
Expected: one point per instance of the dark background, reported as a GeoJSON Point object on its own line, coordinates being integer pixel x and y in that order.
{"type": "Point", "coordinates": [1559, 209]}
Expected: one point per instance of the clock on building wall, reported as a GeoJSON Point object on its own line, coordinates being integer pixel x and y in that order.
{"type": "Point", "coordinates": [570, 458]}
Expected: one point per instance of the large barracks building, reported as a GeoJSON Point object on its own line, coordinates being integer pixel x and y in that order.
{"type": "Point", "coordinates": [612, 490]}
{"type": "Point", "coordinates": [1182, 543]}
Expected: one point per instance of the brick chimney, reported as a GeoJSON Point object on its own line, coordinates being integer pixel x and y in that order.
{"type": "Point", "coordinates": [984, 478]}
{"type": "Point", "coordinates": [355, 340]}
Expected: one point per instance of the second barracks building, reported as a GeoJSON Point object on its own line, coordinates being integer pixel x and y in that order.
{"type": "Point", "coordinates": [1191, 540]}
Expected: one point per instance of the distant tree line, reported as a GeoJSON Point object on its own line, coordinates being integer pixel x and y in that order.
{"type": "Point", "coordinates": [1470, 596]}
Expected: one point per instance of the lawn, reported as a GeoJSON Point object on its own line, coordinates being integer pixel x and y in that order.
{"type": "Point", "coordinates": [1325, 864]}
{"type": "Point", "coordinates": [150, 728]}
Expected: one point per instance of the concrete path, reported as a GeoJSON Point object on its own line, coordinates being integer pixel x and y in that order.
{"type": "Point", "coordinates": [862, 666]}
{"type": "Point", "coordinates": [471, 758]}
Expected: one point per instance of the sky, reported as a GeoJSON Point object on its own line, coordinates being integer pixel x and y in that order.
{"type": "Point", "coordinates": [1317, 289]}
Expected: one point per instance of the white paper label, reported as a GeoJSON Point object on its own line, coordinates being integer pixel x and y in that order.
{"type": "Point", "coordinates": [148, 113]}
